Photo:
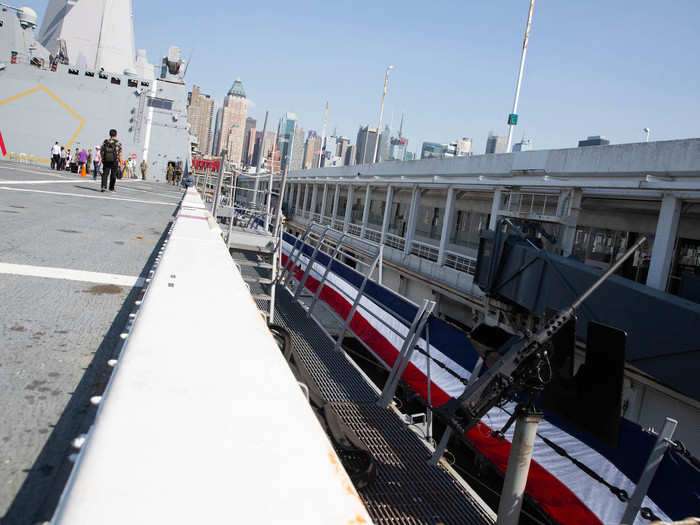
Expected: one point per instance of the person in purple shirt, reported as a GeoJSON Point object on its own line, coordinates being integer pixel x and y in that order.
{"type": "Point", "coordinates": [82, 160]}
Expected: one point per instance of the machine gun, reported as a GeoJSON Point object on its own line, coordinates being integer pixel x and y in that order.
{"type": "Point", "coordinates": [521, 374]}
{"type": "Point", "coordinates": [520, 369]}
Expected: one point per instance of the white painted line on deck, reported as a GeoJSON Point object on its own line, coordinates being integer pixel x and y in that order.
{"type": "Point", "coordinates": [37, 181]}
{"type": "Point", "coordinates": [86, 196]}
{"type": "Point", "coordinates": [53, 173]}
{"type": "Point", "coordinates": [67, 274]}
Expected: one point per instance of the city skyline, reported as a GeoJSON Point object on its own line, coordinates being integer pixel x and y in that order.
{"type": "Point", "coordinates": [594, 68]}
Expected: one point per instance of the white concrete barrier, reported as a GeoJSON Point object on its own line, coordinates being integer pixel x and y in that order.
{"type": "Point", "coordinates": [203, 422]}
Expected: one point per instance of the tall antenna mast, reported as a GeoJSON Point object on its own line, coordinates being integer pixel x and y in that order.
{"type": "Point", "coordinates": [323, 135]}
{"type": "Point", "coordinates": [513, 117]}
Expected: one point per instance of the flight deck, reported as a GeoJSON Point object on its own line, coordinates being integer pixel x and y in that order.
{"type": "Point", "coordinates": [72, 260]}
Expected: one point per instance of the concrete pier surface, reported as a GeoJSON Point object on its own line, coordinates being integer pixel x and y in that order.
{"type": "Point", "coordinates": [71, 263]}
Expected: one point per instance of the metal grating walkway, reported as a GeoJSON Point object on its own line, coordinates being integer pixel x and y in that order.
{"type": "Point", "coordinates": [407, 490]}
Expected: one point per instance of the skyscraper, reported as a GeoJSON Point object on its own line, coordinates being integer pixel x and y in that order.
{"type": "Point", "coordinates": [284, 137]}
{"type": "Point", "coordinates": [270, 137]}
{"type": "Point", "coordinates": [366, 143]}
{"type": "Point", "coordinates": [342, 151]}
{"type": "Point", "coordinates": [248, 141]}
{"type": "Point", "coordinates": [398, 145]}
{"type": "Point", "coordinates": [309, 151]}
{"type": "Point", "coordinates": [216, 142]}
{"type": "Point", "coordinates": [329, 152]}
{"type": "Point", "coordinates": [462, 147]}
{"type": "Point", "coordinates": [496, 144]}
{"type": "Point", "coordinates": [350, 156]}
{"type": "Point", "coordinates": [200, 114]}
{"type": "Point", "coordinates": [432, 150]}
{"type": "Point", "coordinates": [384, 145]}
{"type": "Point", "coordinates": [233, 117]}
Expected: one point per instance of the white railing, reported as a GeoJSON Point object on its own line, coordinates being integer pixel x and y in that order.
{"type": "Point", "coordinates": [530, 203]}
{"type": "Point", "coordinates": [424, 250]}
{"type": "Point", "coordinates": [373, 235]}
{"type": "Point", "coordinates": [325, 221]}
{"type": "Point", "coordinates": [354, 229]}
{"type": "Point", "coordinates": [316, 217]}
{"type": "Point", "coordinates": [460, 262]}
{"type": "Point", "coordinates": [395, 241]}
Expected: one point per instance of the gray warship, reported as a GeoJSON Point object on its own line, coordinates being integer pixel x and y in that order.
{"type": "Point", "coordinates": [79, 77]}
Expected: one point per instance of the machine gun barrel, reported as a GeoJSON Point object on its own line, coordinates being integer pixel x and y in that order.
{"type": "Point", "coordinates": [486, 392]}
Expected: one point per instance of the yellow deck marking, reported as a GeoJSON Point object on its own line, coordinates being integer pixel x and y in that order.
{"type": "Point", "coordinates": [65, 106]}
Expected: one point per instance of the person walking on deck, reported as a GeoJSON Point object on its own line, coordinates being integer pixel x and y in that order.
{"type": "Point", "coordinates": [96, 160]}
{"type": "Point", "coordinates": [82, 161]}
{"type": "Point", "coordinates": [55, 156]}
{"type": "Point", "coordinates": [64, 158]}
{"type": "Point", "coordinates": [170, 174]}
{"type": "Point", "coordinates": [111, 160]}
{"type": "Point", "coordinates": [144, 169]}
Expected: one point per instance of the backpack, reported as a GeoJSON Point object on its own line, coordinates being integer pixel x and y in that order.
{"type": "Point", "coordinates": [109, 152]}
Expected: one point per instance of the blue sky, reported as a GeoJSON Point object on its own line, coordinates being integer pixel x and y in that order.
{"type": "Point", "coordinates": [608, 67]}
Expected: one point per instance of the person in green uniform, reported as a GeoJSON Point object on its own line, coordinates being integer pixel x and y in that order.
{"type": "Point", "coordinates": [171, 173]}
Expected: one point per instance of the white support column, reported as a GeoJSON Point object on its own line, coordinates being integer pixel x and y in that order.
{"type": "Point", "coordinates": [290, 196]}
{"type": "Point", "coordinates": [568, 209]}
{"type": "Point", "coordinates": [387, 213]}
{"type": "Point", "coordinates": [306, 197]}
{"type": "Point", "coordinates": [348, 208]}
{"type": "Point", "coordinates": [412, 217]}
{"type": "Point", "coordinates": [324, 201]}
{"type": "Point", "coordinates": [314, 198]}
{"type": "Point", "coordinates": [447, 222]}
{"type": "Point", "coordinates": [664, 242]}
{"type": "Point", "coordinates": [334, 211]}
{"type": "Point", "coordinates": [298, 199]}
{"type": "Point", "coordinates": [495, 208]}
{"type": "Point", "coordinates": [365, 211]}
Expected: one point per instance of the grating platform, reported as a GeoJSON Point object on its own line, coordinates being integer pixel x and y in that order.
{"type": "Point", "coordinates": [407, 490]}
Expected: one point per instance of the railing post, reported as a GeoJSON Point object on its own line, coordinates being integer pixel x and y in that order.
{"type": "Point", "coordinates": [652, 464]}
{"type": "Point", "coordinates": [404, 357]}
{"type": "Point", "coordinates": [325, 275]}
{"type": "Point", "coordinates": [355, 304]}
{"type": "Point", "coordinates": [290, 260]}
{"type": "Point", "coordinates": [302, 282]}
{"type": "Point", "coordinates": [217, 193]}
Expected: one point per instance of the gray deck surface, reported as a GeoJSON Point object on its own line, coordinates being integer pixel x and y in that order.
{"type": "Point", "coordinates": [57, 334]}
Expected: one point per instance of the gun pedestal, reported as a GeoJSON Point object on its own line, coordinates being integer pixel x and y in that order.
{"type": "Point", "coordinates": [518, 467]}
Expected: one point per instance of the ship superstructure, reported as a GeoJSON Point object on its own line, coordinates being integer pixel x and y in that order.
{"type": "Point", "coordinates": [73, 86]}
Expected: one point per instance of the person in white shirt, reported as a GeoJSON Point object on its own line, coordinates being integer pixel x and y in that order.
{"type": "Point", "coordinates": [96, 161]}
{"type": "Point", "coordinates": [55, 156]}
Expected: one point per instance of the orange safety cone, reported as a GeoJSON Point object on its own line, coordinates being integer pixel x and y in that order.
{"type": "Point", "coordinates": [82, 171]}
